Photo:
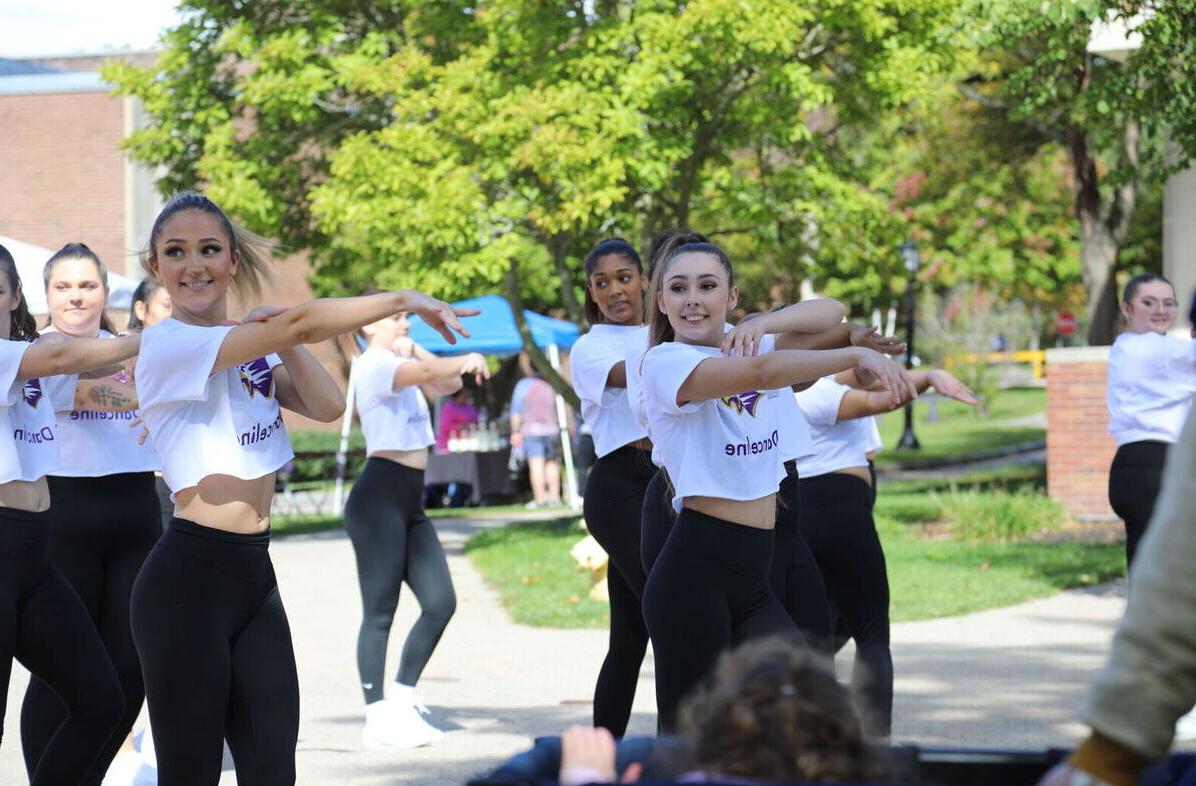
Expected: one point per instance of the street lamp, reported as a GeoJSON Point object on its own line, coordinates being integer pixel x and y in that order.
{"type": "Point", "coordinates": [913, 260]}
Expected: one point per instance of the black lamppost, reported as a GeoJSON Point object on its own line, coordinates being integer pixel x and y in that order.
{"type": "Point", "coordinates": [913, 260]}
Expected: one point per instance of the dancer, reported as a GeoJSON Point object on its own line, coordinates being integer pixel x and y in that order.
{"type": "Point", "coordinates": [42, 621]}
{"type": "Point", "coordinates": [393, 540]}
{"type": "Point", "coordinates": [207, 618]}
{"type": "Point", "coordinates": [716, 434]}
{"type": "Point", "coordinates": [614, 493]}
{"type": "Point", "coordinates": [151, 305]}
{"type": "Point", "coordinates": [1152, 377]}
{"type": "Point", "coordinates": [103, 516]}
{"type": "Point", "coordinates": [837, 492]}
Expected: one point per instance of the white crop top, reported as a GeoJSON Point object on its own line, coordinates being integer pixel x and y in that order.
{"type": "Point", "coordinates": [838, 444]}
{"type": "Point", "coordinates": [1152, 379]}
{"type": "Point", "coordinates": [726, 447]}
{"type": "Point", "coordinates": [606, 411]}
{"type": "Point", "coordinates": [390, 419]}
{"type": "Point", "coordinates": [95, 443]}
{"type": "Point", "coordinates": [28, 417]}
{"type": "Point", "coordinates": [796, 441]}
{"type": "Point", "coordinates": [202, 423]}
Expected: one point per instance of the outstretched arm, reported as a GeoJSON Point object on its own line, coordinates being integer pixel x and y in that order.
{"type": "Point", "coordinates": [317, 320]}
{"type": "Point", "coordinates": [872, 399]}
{"type": "Point", "coordinates": [105, 395]}
{"type": "Point", "coordinates": [56, 354]}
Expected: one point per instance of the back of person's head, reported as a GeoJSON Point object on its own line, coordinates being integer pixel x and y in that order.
{"type": "Point", "coordinates": [22, 327]}
{"type": "Point", "coordinates": [772, 710]}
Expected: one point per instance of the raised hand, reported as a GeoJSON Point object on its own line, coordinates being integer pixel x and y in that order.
{"type": "Point", "coordinates": [869, 337]}
{"type": "Point", "coordinates": [744, 339]}
{"type": "Point", "coordinates": [442, 317]}
{"type": "Point", "coordinates": [476, 365]}
{"type": "Point", "coordinates": [945, 383]}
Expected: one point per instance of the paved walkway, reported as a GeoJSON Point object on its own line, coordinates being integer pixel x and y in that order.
{"type": "Point", "coordinates": [1008, 677]}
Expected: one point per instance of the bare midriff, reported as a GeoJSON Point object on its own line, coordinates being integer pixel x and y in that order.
{"type": "Point", "coordinates": [28, 495]}
{"type": "Point", "coordinates": [228, 503]}
{"type": "Point", "coordinates": [415, 459]}
{"type": "Point", "coordinates": [643, 443]}
{"type": "Point", "coordinates": [759, 513]}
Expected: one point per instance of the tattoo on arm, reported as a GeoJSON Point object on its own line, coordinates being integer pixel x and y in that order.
{"type": "Point", "coordinates": [108, 396]}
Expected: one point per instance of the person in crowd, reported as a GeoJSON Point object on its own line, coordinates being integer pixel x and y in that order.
{"type": "Point", "coordinates": [393, 540]}
{"type": "Point", "coordinates": [614, 491]}
{"type": "Point", "coordinates": [1149, 680]}
{"type": "Point", "coordinates": [536, 431]}
{"type": "Point", "coordinates": [1152, 378]}
{"type": "Point", "coordinates": [771, 711]}
{"type": "Point", "coordinates": [836, 488]}
{"type": "Point", "coordinates": [456, 412]}
{"type": "Point", "coordinates": [103, 515]}
{"type": "Point", "coordinates": [710, 406]}
{"type": "Point", "coordinates": [42, 621]}
{"type": "Point", "coordinates": [207, 618]}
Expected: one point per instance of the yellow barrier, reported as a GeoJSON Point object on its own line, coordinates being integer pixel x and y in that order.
{"type": "Point", "coordinates": [1035, 357]}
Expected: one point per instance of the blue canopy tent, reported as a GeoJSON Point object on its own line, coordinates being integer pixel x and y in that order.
{"type": "Point", "coordinates": [492, 332]}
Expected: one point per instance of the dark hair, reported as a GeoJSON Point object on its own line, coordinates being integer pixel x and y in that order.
{"type": "Point", "coordinates": [676, 244]}
{"type": "Point", "coordinates": [615, 246]}
{"type": "Point", "coordinates": [1131, 286]}
{"type": "Point", "coordinates": [253, 249]}
{"type": "Point", "coordinates": [80, 251]}
{"type": "Point", "coordinates": [1192, 311]}
{"type": "Point", "coordinates": [144, 291]}
{"type": "Point", "coordinates": [24, 326]}
{"type": "Point", "coordinates": [772, 710]}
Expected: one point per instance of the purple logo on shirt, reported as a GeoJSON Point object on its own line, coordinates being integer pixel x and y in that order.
{"type": "Point", "coordinates": [743, 402]}
{"type": "Point", "coordinates": [257, 378]}
{"type": "Point", "coordinates": [33, 392]}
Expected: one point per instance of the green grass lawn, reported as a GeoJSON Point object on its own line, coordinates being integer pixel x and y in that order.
{"type": "Point", "coordinates": [959, 430]}
{"type": "Point", "coordinates": [929, 575]}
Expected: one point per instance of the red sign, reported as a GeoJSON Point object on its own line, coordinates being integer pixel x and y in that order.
{"type": "Point", "coordinates": [1065, 323]}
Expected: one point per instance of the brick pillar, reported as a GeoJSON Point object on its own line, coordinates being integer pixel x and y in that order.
{"type": "Point", "coordinates": [1079, 448]}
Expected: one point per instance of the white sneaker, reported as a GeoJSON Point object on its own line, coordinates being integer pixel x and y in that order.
{"type": "Point", "coordinates": [1185, 727]}
{"type": "Point", "coordinates": [388, 725]}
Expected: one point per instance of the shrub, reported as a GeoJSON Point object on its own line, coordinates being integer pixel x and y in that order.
{"type": "Point", "coordinates": [999, 515]}
{"type": "Point", "coordinates": [323, 467]}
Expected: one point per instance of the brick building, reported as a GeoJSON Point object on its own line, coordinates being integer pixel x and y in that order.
{"type": "Point", "coordinates": [64, 177]}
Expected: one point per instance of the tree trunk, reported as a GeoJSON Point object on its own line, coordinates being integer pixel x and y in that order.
{"type": "Point", "coordinates": [539, 360]}
{"type": "Point", "coordinates": [559, 249]}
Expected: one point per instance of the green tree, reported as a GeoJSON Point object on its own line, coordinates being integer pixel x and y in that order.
{"type": "Point", "coordinates": [1112, 119]}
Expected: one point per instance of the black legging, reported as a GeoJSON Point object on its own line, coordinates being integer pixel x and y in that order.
{"type": "Point", "coordinates": [656, 519]}
{"type": "Point", "coordinates": [217, 657]}
{"type": "Point", "coordinates": [794, 575]}
{"type": "Point", "coordinates": [101, 530]}
{"type": "Point", "coordinates": [614, 501]}
{"type": "Point", "coordinates": [394, 542]}
{"type": "Point", "coordinates": [1134, 482]}
{"type": "Point", "coordinates": [707, 592]}
{"type": "Point", "coordinates": [836, 518]}
{"type": "Point", "coordinates": [44, 625]}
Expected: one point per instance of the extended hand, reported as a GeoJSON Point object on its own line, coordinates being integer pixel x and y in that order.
{"type": "Point", "coordinates": [891, 376]}
{"type": "Point", "coordinates": [868, 337]}
{"type": "Point", "coordinates": [476, 364]}
{"type": "Point", "coordinates": [442, 317]}
{"type": "Point", "coordinates": [945, 383]}
{"type": "Point", "coordinates": [744, 339]}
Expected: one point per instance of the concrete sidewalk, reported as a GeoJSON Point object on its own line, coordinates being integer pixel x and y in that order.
{"type": "Point", "coordinates": [1005, 678]}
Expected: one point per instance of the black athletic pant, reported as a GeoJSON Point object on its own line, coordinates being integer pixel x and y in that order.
{"type": "Point", "coordinates": [44, 625]}
{"type": "Point", "coordinates": [795, 576]}
{"type": "Point", "coordinates": [656, 519]}
{"type": "Point", "coordinates": [707, 592]}
{"type": "Point", "coordinates": [614, 501]}
{"type": "Point", "coordinates": [101, 530]}
{"type": "Point", "coordinates": [216, 652]}
{"type": "Point", "coordinates": [836, 518]}
{"type": "Point", "coordinates": [1134, 482]}
{"type": "Point", "coordinates": [395, 542]}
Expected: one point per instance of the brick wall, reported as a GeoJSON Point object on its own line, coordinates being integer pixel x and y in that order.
{"type": "Point", "coordinates": [1079, 448]}
{"type": "Point", "coordinates": [62, 173]}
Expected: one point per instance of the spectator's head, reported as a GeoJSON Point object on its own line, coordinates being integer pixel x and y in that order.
{"type": "Point", "coordinates": [615, 284]}
{"type": "Point", "coordinates": [772, 710]}
{"type": "Point", "coordinates": [21, 325]}
{"type": "Point", "coordinates": [1148, 304]}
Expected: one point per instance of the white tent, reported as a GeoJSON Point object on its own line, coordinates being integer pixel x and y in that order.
{"type": "Point", "coordinates": [31, 260]}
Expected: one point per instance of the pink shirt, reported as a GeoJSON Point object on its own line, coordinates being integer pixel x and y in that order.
{"type": "Point", "coordinates": [453, 416]}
